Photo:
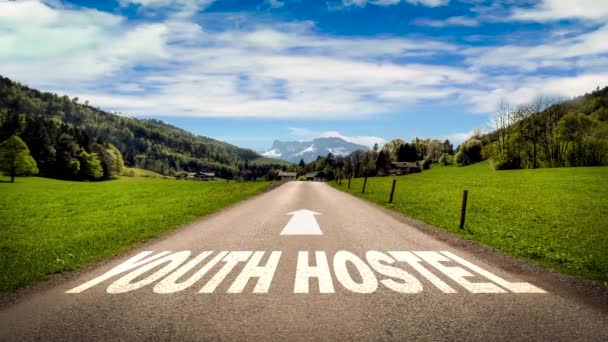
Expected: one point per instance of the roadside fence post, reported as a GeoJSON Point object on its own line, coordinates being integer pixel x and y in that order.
{"type": "Point", "coordinates": [349, 182]}
{"type": "Point", "coordinates": [463, 209]}
{"type": "Point", "coordinates": [392, 191]}
{"type": "Point", "coordinates": [364, 182]}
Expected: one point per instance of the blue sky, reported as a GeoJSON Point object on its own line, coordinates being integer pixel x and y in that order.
{"type": "Point", "coordinates": [249, 72]}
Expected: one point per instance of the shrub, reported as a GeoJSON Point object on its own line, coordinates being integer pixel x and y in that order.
{"type": "Point", "coordinates": [426, 164]}
{"type": "Point", "coordinates": [501, 161]}
{"type": "Point", "coordinates": [489, 151]}
{"type": "Point", "coordinates": [508, 162]}
{"type": "Point", "coordinates": [446, 159]}
{"type": "Point", "coordinates": [469, 153]}
{"type": "Point", "coordinates": [462, 159]}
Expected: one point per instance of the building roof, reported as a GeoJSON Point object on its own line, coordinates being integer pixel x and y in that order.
{"type": "Point", "coordinates": [207, 174]}
{"type": "Point", "coordinates": [315, 174]}
{"type": "Point", "coordinates": [404, 165]}
{"type": "Point", "coordinates": [287, 174]}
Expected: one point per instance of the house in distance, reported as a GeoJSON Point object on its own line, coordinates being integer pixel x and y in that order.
{"type": "Point", "coordinates": [201, 176]}
{"type": "Point", "coordinates": [403, 168]}
{"type": "Point", "coordinates": [287, 176]}
{"type": "Point", "coordinates": [317, 176]}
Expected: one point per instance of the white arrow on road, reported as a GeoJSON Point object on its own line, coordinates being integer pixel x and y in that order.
{"type": "Point", "coordinates": [303, 222]}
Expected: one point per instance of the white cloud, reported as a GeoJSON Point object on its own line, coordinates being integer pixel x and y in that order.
{"type": "Point", "coordinates": [361, 3]}
{"type": "Point", "coordinates": [176, 8]}
{"type": "Point", "coordinates": [271, 4]}
{"type": "Point", "coordinates": [549, 10]}
{"type": "Point", "coordinates": [525, 90]}
{"type": "Point", "coordinates": [302, 37]}
{"type": "Point", "coordinates": [276, 72]}
{"type": "Point", "coordinates": [558, 52]}
{"type": "Point", "coordinates": [33, 44]}
{"type": "Point", "coordinates": [177, 67]}
{"type": "Point", "coordinates": [451, 21]}
{"type": "Point", "coordinates": [368, 141]}
{"type": "Point", "coordinates": [30, 29]}
{"type": "Point", "coordinates": [459, 137]}
{"type": "Point", "coordinates": [129, 87]}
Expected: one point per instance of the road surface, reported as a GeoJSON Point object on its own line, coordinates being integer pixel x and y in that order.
{"type": "Point", "coordinates": [303, 262]}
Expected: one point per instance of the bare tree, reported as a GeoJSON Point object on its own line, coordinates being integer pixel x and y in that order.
{"type": "Point", "coordinates": [534, 124]}
{"type": "Point", "coordinates": [502, 120]}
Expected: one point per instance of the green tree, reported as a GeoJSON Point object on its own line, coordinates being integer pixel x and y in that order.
{"type": "Point", "coordinates": [90, 166]}
{"type": "Point", "coordinates": [348, 167]}
{"type": "Point", "coordinates": [119, 162]}
{"type": "Point", "coordinates": [15, 158]}
{"type": "Point", "coordinates": [445, 159]}
{"type": "Point", "coordinates": [448, 148]}
{"type": "Point", "coordinates": [112, 163]}
{"type": "Point", "coordinates": [469, 153]}
{"type": "Point", "coordinates": [391, 149]}
{"type": "Point", "coordinates": [302, 163]}
{"type": "Point", "coordinates": [330, 159]}
{"type": "Point", "coordinates": [381, 163]}
{"type": "Point", "coordinates": [368, 164]}
{"type": "Point", "coordinates": [320, 164]}
{"type": "Point", "coordinates": [407, 153]}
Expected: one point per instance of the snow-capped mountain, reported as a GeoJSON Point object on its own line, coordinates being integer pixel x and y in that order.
{"type": "Point", "coordinates": [293, 151]}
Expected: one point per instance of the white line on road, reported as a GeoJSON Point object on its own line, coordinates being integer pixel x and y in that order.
{"type": "Point", "coordinates": [303, 222]}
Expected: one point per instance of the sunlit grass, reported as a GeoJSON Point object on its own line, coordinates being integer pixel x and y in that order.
{"type": "Point", "coordinates": [48, 226]}
{"type": "Point", "coordinates": [555, 217]}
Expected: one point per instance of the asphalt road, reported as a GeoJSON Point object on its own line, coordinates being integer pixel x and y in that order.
{"type": "Point", "coordinates": [230, 294]}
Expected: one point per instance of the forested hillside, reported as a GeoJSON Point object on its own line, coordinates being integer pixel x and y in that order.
{"type": "Point", "coordinates": [550, 132]}
{"type": "Point", "coordinates": [58, 130]}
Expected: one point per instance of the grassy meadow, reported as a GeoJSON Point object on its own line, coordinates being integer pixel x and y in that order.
{"type": "Point", "coordinates": [135, 172]}
{"type": "Point", "coordinates": [49, 226]}
{"type": "Point", "coordinates": [554, 217]}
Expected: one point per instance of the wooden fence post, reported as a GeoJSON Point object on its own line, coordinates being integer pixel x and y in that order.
{"type": "Point", "coordinates": [392, 191]}
{"type": "Point", "coordinates": [463, 209]}
{"type": "Point", "coordinates": [349, 182]}
{"type": "Point", "coordinates": [364, 182]}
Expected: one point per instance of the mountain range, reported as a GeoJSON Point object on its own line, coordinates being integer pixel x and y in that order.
{"type": "Point", "coordinates": [294, 151]}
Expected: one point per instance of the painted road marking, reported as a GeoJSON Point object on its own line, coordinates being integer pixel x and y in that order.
{"type": "Point", "coordinates": [394, 270]}
{"type": "Point", "coordinates": [303, 222]}
{"type": "Point", "coordinates": [321, 271]}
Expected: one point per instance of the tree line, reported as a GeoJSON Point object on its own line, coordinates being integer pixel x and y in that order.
{"type": "Point", "coordinates": [378, 161]}
{"type": "Point", "coordinates": [60, 131]}
{"type": "Point", "coordinates": [56, 150]}
{"type": "Point", "coordinates": [550, 132]}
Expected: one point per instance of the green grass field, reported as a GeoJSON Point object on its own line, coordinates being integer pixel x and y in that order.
{"type": "Point", "coordinates": [554, 217]}
{"type": "Point", "coordinates": [49, 226]}
{"type": "Point", "coordinates": [135, 172]}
